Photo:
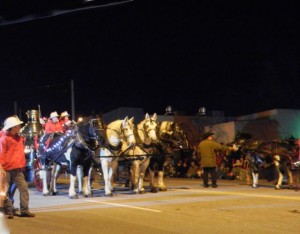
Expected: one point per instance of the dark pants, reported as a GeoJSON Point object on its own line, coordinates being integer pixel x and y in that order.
{"type": "Point", "coordinates": [213, 175]}
{"type": "Point", "coordinates": [16, 176]}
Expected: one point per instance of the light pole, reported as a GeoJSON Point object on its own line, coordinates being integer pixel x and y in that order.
{"type": "Point", "coordinates": [72, 100]}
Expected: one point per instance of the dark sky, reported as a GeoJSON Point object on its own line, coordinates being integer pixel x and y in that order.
{"type": "Point", "coordinates": [237, 57]}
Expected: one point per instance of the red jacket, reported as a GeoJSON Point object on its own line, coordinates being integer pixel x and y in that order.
{"type": "Point", "coordinates": [12, 154]}
{"type": "Point", "coordinates": [53, 127]}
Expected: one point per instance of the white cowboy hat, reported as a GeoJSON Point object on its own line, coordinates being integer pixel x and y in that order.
{"type": "Point", "coordinates": [63, 114]}
{"type": "Point", "coordinates": [11, 121]}
{"type": "Point", "coordinates": [53, 114]}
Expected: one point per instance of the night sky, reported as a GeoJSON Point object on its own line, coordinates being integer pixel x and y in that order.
{"type": "Point", "coordinates": [237, 57]}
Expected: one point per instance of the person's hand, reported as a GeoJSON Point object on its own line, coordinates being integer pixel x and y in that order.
{"type": "Point", "coordinates": [42, 121]}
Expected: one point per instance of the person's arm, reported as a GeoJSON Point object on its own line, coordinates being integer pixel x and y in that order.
{"type": "Point", "coordinates": [2, 154]}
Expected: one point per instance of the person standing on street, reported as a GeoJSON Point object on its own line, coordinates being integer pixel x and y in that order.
{"type": "Point", "coordinates": [12, 164]}
{"type": "Point", "coordinates": [208, 162]}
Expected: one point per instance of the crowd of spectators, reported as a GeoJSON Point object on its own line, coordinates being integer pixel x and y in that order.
{"type": "Point", "coordinates": [190, 167]}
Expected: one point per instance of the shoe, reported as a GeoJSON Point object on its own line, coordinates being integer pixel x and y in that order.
{"type": "Point", "coordinates": [27, 214]}
{"type": "Point", "coordinates": [206, 186]}
{"type": "Point", "coordinates": [10, 216]}
{"type": "Point", "coordinates": [214, 185]}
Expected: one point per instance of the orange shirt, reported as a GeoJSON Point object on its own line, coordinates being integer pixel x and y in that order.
{"type": "Point", "coordinates": [12, 154]}
{"type": "Point", "coordinates": [53, 127]}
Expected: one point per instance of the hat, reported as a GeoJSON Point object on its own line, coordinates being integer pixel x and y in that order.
{"type": "Point", "coordinates": [63, 114]}
{"type": "Point", "coordinates": [53, 114]}
{"type": "Point", "coordinates": [207, 134]}
{"type": "Point", "coordinates": [11, 121]}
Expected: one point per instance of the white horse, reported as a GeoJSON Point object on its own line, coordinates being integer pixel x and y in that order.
{"type": "Point", "coordinates": [147, 133]}
{"type": "Point", "coordinates": [117, 133]}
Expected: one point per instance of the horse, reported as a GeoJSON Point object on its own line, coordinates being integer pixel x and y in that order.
{"type": "Point", "coordinates": [76, 147]}
{"type": "Point", "coordinates": [274, 156]}
{"type": "Point", "coordinates": [282, 154]}
{"type": "Point", "coordinates": [148, 137]}
{"type": "Point", "coordinates": [171, 140]}
{"type": "Point", "coordinates": [174, 139]}
{"type": "Point", "coordinates": [108, 154]}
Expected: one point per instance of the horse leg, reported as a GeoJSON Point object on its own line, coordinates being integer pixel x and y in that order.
{"type": "Point", "coordinates": [86, 180]}
{"type": "Point", "coordinates": [151, 176]}
{"type": "Point", "coordinates": [72, 192]}
{"type": "Point", "coordinates": [255, 179]}
{"type": "Point", "coordinates": [105, 165]}
{"type": "Point", "coordinates": [45, 184]}
{"type": "Point", "coordinates": [277, 167]}
{"type": "Point", "coordinates": [135, 175]}
{"type": "Point", "coordinates": [161, 183]}
{"type": "Point", "coordinates": [112, 172]}
{"type": "Point", "coordinates": [142, 172]}
{"type": "Point", "coordinates": [79, 174]}
{"type": "Point", "coordinates": [54, 175]}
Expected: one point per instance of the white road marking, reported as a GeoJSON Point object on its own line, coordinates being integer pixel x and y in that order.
{"type": "Point", "coordinates": [127, 206]}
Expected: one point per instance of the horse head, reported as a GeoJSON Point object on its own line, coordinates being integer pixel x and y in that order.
{"type": "Point", "coordinates": [120, 131]}
{"type": "Point", "coordinates": [90, 130]}
{"type": "Point", "coordinates": [147, 129]}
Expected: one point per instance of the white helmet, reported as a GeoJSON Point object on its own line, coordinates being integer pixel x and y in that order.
{"type": "Point", "coordinates": [11, 121]}
{"type": "Point", "coordinates": [53, 114]}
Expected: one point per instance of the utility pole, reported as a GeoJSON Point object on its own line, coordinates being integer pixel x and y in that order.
{"type": "Point", "coordinates": [72, 100]}
{"type": "Point", "coordinates": [15, 108]}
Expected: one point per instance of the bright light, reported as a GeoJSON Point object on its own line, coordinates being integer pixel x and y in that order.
{"type": "Point", "coordinates": [79, 119]}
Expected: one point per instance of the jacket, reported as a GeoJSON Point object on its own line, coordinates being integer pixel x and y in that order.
{"type": "Point", "coordinates": [207, 154]}
{"type": "Point", "coordinates": [51, 127]}
{"type": "Point", "coordinates": [12, 154]}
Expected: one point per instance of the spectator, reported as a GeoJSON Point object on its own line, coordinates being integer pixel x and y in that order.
{"type": "Point", "coordinates": [192, 171]}
{"type": "Point", "coordinates": [12, 164]}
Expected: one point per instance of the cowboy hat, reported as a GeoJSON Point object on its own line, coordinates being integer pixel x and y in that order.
{"type": "Point", "coordinates": [53, 114]}
{"type": "Point", "coordinates": [63, 114]}
{"type": "Point", "coordinates": [11, 121]}
{"type": "Point", "coordinates": [207, 134]}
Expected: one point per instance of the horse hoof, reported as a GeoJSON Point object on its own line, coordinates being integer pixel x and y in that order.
{"type": "Point", "coordinates": [108, 195]}
{"type": "Point", "coordinates": [153, 190]}
{"type": "Point", "coordinates": [163, 189]}
{"type": "Point", "coordinates": [142, 192]}
{"type": "Point", "coordinates": [46, 194]}
{"type": "Point", "coordinates": [74, 197]}
{"type": "Point", "coordinates": [254, 186]}
{"type": "Point", "coordinates": [277, 188]}
{"type": "Point", "coordinates": [54, 193]}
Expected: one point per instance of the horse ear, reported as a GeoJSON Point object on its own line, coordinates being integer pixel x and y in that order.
{"type": "Point", "coordinates": [125, 121]}
{"type": "Point", "coordinates": [154, 116]}
{"type": "Point", "coordinates": [147, 117]}
{"type": "Point", "coordinates": [131, 120]}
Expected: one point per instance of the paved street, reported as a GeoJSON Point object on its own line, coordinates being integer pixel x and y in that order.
{"type": "Point", "coordinates": [186, 207]}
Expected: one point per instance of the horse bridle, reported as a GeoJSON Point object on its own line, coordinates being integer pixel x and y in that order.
{"type": "Point", "coordinates": [147, 131]}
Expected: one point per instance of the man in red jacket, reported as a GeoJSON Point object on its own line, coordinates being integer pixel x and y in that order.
{"type": "Point", "coordinates": [53, 124]}
{"type": "Point", "coordinates": [12, 164]}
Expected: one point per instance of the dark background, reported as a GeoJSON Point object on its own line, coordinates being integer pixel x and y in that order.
{"type": "Point", "coordinates": [233, 56]}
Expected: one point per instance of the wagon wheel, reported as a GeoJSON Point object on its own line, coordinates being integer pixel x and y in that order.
{"type": "Point", "coordinates": [38, 175]}
{"type": "Point", "coordinates": [38, 180]}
